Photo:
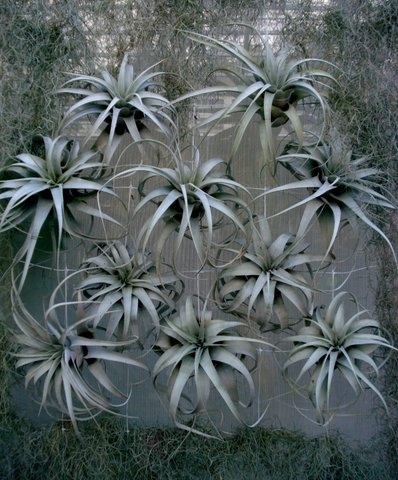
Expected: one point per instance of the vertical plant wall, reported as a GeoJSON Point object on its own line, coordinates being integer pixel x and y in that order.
{"type": "Point", "coordinates": [130, 295]}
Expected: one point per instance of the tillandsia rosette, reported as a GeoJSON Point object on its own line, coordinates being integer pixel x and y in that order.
{"type": "Point", "coordinates": [331, 342]}
{"type": "Point", "coordinates": [124, 291]}
{"type": "Point", "coordinates": [270, 273]}
{"type": "Point", "coordinates": [265, 85]}
{"type": "Point", "coordinates": [199, 352]}
{"type": "Point", "coordinates": [341, 187]}
{"type": "Point", "coordinates": [192, 200]}
{"type": "Point", "coordinates": [56, 187]}
{"type": "Point", "coordinates": [120, 105]}
{"type": "Point", "coordinates": [67, 363]}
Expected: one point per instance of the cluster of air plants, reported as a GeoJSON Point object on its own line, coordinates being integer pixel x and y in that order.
{"type": "Point", "coordinates": [193, 199]}
{"type": "Point", "coordinates": [124, 285]}
{"type": "Point", "coordinates": [340, 185]}
{"type": "Point", "coordinates": [64, 359]}
{"type": "Point", "coordinates": [55, 188]}
{"type": "Point", "coordinates": [130, 295]}
{"type": "Point", "coordinates": [264, 85]}
{"type": "Point", "coordinates": [196, 347]}
{"type": "Point", "coordinates": [120, 105]}
{"type": "Point", "coordinates": [256, 286]}
{"type": "Point", "coordinates": [332, 341]}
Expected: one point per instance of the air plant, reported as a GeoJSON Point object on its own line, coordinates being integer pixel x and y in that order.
{"type": "Point", "coordinates": [341, 186]}
{"type": "Point", "coordinates": [124, 284]}
{"type": "Point", "coordinates": [68, 363]}
{"type": "Point", "coordinates": [257, 286]}
{"type": "Point", "coordinates": [120, 105]}
{"type": "Point", "coordinates": [330, 342]}
{"type": "Point", "coordinates": [267, 86]}
{"type": "Point", "coordinates": [55, 187]}
{"type": "Point", "coordinates": [192, 199]}
{"type": "Point", "coordinates": [195, 348]}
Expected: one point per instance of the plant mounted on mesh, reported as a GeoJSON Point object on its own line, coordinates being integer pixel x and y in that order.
{"type": "Point", "coordinates": [120, 105]}
{"type": "Point", "coordinates": [67, 362]}
{"type": "Point", "coordinates": [54, 188]}
{"type": "Point", "coordinates": [192, 200]}
{"type": "Point", "coordinates": [201, 352]}
{"type": "Point", "coordinates": [341, 187]}
{"type": "Point", "coordinates": [265, 85]}
{"type": "Point", "coordinates": [332, 341]}
{"type": "Point", "coordinates": [257, 286]}
{"type": "Point", "coordinates": [123, 289]}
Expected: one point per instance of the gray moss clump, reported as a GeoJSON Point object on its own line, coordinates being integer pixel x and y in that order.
{"type": "Point", "coordinates": [107, 451]}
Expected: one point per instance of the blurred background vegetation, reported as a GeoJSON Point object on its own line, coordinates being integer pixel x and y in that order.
{"type": "Point", "coordinates": [41, 40]}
